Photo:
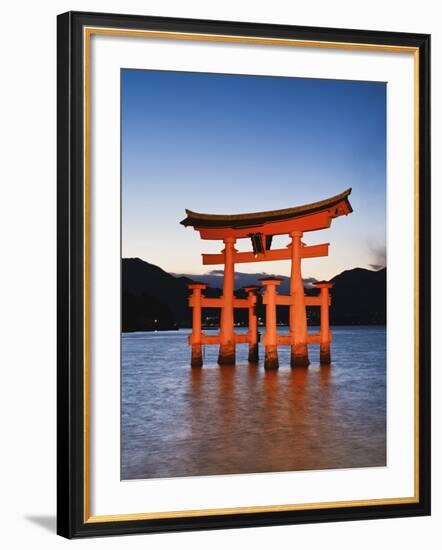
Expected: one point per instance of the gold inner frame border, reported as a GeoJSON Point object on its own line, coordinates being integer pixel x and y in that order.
{"type": "Point", "coordinates": [88, 32]}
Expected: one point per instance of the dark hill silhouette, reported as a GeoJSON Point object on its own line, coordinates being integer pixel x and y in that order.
{"type": "Point", "coordinates": [153, 299]}
{"type": "Point", "coordinates": [359, 297]}
{"type": "Point", "coordinates": [214, 278]}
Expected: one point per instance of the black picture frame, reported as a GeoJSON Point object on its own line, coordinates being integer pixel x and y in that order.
{"type": "Point", "coordinates": [72, 521]}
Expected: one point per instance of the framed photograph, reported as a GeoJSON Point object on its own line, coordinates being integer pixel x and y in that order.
{"type": "Point", "coordinates": [243, 274]}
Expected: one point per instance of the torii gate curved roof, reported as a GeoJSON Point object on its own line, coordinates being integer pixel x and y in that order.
{"type": "Point", "coordinates": [325, 210]}
{"type": "Point", "coordinates": [339, 203]}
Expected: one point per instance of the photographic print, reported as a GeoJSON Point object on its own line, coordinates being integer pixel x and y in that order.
{"type": "Point", "coordinates": [243, 274]}
{"type": "Point", "coordinates": [253, 287]}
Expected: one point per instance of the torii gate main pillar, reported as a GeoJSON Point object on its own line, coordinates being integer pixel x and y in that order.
{"type": "Point", "coordinates": [227, 336]}
{"type": "Point", "coordinates": [298, 314]}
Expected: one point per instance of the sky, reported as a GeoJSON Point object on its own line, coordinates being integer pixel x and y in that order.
{"type": "Point", "coordinates": [239, 143]}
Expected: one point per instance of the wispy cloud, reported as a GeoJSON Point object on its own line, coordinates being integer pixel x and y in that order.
{"type": "Point", "coordinates": [378, 253]}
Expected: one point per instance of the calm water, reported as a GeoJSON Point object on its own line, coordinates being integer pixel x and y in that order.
{"type": "Point", "coordinates": [178, 421]}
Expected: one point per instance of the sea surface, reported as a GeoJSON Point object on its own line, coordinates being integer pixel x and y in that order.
{"type": "Point", "coordinates": [177, 421]}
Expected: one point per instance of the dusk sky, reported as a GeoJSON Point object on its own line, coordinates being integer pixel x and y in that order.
{"type": "Point", "coordinates": [236, 143]}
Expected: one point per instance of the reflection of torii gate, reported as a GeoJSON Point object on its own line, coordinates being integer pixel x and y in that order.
{"type": "Point", "coordinates": [260, 227]}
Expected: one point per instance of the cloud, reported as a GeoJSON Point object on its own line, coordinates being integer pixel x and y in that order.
{"type": "Point", "coordinates": [378, 253]}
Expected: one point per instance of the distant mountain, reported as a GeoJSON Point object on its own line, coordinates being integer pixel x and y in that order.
{"type": "Point", "coordinates": [153, 299]}
{"type": "Point", "coordinates": [359, 297]}
{"type": "Point", "coordinates": [214, 278]}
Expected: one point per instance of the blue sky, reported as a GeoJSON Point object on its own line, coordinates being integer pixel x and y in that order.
{"type": "Point", "coordinates": [238, 143]}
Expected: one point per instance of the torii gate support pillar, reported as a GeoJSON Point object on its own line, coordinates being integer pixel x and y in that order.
{"type": "Point", "coordinates": [195, 338]}
{"type": "Point", "coordinates": [325, 357]}
{"type": "Point", "coordinates": [252, 297]}
{"type": "Point", "coordinates": [271, 336]}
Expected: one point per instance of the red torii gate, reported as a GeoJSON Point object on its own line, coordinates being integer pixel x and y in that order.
{"type": "Point", "coordinates": [260, 227]}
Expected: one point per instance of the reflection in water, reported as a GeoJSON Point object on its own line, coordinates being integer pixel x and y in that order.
{"type": "Point", "coordinates": [179, 421]}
